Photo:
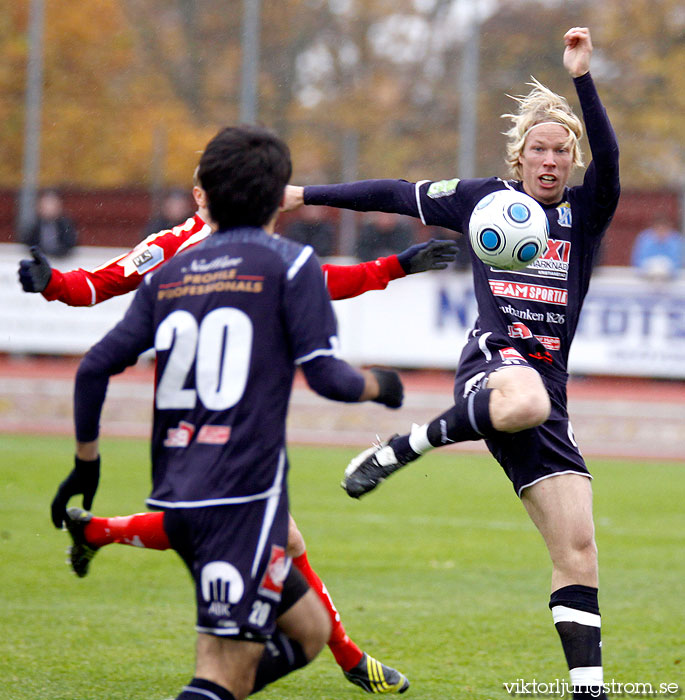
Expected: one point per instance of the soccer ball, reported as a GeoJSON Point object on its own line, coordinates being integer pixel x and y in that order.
{"type": "Point", "coordinates": [508, 230]}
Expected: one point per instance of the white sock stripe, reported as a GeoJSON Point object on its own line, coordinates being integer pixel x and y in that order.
{"type": "Point", "coordinates": [418, 438]}
{"type": "Point", "coordinates": [472, 412]}
{"type": "Point", "coordinates": [561, 613]}
{"type": "Point", "coordinates": [201, 691]}
{"type": "Point", "coordinates": [587, 676]}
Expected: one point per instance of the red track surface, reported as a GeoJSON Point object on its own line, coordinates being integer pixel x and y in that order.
{"type": "Point", "coordinates": [612, 417]}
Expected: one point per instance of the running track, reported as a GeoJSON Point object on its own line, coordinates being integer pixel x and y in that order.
{"type": "Point", "coordinates": [629, 418]}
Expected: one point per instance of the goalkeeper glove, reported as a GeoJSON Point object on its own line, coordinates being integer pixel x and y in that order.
{"type": "Point", "coordinates": [83, 479]}
{"type": "Point", "coordinates": [35, 274]}
{"type": "Point", "coordinates": [432, 255]}
{"type": "Point", "coordinates": [390, 389]}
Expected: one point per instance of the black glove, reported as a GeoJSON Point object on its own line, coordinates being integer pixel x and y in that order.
{"type": "Point", "coordinates": [35, 274]}
{"type": "Point", "coordinates": [83, 479]}
{"type": "Point", "coordinates": [432, 255]}
{"type": "Point", "coordinates": [391, 391]}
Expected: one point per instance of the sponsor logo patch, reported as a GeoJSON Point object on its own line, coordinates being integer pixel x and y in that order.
{"type": "Point", "coordinates": [534, 292]}
{"type": "Point", "coordinates": [564, 215]}
{"type": "Point", "coordinates": [180, 436]}
{"type": "Point", "coordinates": [219, 263]}
{"type": "Point", "coordinates": [271, 584]}
{"type": "Point", "coordinates": [549, 342]}
{"type": "Point", "coordinates": [554, 262]}
{"type": "Point", "coordinates": [214, 434]}
{"type": "Point", "coordinates": [520, 330]}
{"type": "Point", "coordinates": [511, 356]}
{"type": "Point", "coordinates": [443, 188]}
{"type": "Point", "coordinates": [525, 314]}
{"type": "Point", "coordinates": [142, 259]}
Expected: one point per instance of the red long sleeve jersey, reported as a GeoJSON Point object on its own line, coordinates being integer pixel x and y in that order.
{"type": "Point", "coordinates": [124, 273]}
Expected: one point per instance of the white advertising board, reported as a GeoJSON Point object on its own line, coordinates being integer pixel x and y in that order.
{"type": "Point", "coordinates": [628, 326]}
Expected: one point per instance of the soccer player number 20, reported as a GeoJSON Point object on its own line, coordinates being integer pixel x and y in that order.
{"type": "Point", "coordinates": [220, 347]}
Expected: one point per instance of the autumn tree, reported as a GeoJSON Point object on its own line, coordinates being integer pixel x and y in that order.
{"type": "Point", "coordinates": [134, 89]}
{"type": "Point", "coordinates": [642, 57]}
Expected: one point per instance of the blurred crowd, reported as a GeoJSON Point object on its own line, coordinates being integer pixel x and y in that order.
{"type": "Point", "coordinates": [657, 254]}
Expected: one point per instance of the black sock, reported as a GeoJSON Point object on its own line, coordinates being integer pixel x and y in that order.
{"type": "Point", "coordinates": [281, 656]}
{"type": "Point", "coordinates": [468, 419]}
{"type": "Point", "coordinates": [576, 617]}
{"type": "Point", "coordinates": [201, 689]}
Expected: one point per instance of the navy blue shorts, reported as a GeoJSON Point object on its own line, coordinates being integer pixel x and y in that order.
{"type": "Point", "coordinates": [236, 555]}
{"type": "Point", "coordinates": [529, 455]}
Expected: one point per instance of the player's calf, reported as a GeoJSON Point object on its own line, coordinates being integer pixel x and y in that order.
{"type": "Point", "coordinates": [303, 630]}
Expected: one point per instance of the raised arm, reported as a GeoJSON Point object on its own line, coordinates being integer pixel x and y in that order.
{"type": "Point", "coordinates": [578, 51]}
{"type": "Point", "coordinates": [602, 175]}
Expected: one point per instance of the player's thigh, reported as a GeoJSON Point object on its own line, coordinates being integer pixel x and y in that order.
{"type": "Point", "coordinates": [307, 622]}
{"type": "Point", "coordinates": [236, 556]}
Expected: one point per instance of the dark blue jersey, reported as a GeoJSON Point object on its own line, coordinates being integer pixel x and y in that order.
{"type": "Point", "coordinates": [229, 320]}
{"type": "Point", "coordinates": [535, 310]}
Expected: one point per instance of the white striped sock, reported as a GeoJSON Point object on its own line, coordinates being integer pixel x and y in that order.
{"type": "Point", "coordinates": [418, 438]}
{"type": "Point", "coordinates": [587, 676]}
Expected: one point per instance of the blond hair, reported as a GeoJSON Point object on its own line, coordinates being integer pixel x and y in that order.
{"type": "Point", "coordinates": [538, 106]}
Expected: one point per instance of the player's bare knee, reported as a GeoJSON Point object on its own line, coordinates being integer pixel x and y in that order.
{"type": "Point", "coordinates": [578, 559]}
{"type": "Point", "coordinates": [585, 550]}
{"type": "Point", "coordinates": [296, 544]}
{"type": "Point", "coordinates": [537, 408]}
{"type": "Point", "coordinates": [523, 409]}
{"type": "Point", "coordinates": [519, 400]}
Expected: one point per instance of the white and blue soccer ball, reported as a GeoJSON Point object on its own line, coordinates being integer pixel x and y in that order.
{"type": "Point", "coordinates": [508, 230]}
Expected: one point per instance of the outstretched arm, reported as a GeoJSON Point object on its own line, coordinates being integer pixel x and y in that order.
{"type": "Point", "coordinates": [117, 276]}
{"type": "Point", "coordinates": [346, 281]}
{"type": "Point", "coordinates": [392, 196]}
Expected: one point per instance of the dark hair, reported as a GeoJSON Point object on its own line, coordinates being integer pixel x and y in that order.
{"type": "Point", "coordinates": [244, 170]}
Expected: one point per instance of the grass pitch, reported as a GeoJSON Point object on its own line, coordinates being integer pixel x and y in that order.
{"type": "Point", "coordinates": [438, 573]}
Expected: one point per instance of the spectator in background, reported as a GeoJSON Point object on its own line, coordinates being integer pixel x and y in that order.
{"type": "Point", "coordinates": [658, 250]}
{"type": "Point", "coordinates": [176, 207]}
{"type": "Point", "coordinates": [51, 229]}
{"type": "Point", "coordinates": [314, 229]}
{"type": "Point", "coordinates": [381, 235]}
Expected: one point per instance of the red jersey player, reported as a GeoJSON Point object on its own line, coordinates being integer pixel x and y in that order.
{"type": "Point", "coordinates": [123, 274]}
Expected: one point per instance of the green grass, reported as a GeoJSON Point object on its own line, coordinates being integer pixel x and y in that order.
{"type": "Point", "coordinates": [439, 573]}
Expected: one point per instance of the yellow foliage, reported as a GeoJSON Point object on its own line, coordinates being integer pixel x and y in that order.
{"type": "Point", "coordinates": [131, 86]}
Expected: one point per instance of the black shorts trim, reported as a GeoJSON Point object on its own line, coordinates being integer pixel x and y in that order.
{"type": "Point", "coordinates": [294, 587]}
